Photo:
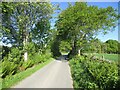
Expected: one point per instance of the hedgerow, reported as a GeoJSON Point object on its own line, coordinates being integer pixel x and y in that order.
{"type": "Point", "coordinates": [94, 74]}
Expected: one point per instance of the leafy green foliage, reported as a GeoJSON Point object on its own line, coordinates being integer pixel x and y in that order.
{"type": "Point", "coordinates": [93, 74]}
{"type": "Point", "coordinates": [55, 47]}
{"type": "Point", "coordinates": [21, 20]}
{"type": "Point", "coordinates": [14, 63]}
{"type": "Point", "coordinates": [80, 22]}
{"type": "Point", "coordinates": [97, 46]}
{"type": "Point", "coordinates": [31, 48]}
{"type": "Point", "coordinates": [11, 62]}
{"type": "Point", "coordinates": [65, 46]}
{"type": "Point", "coordinates": [15, 56]}
{"type": "Point", "coordinates": [27, 64]}
{"type": "Point", "coordinates": [4, 51]}
{"type": "Point", "coordinates": [12, 80]}
{"type": "Point", "coordinates": [8, 68]}
{"type": "Point", "coordinates": [112, 46]}
{"type": "Point", "coordinates": [39, 58]}
{"type": "Point", "coordinates": [25, 24]}
{"type": "Point", "coordinates": [93, 46]}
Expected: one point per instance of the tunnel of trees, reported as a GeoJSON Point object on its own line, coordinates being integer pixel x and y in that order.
{"type": "Point", "coordinates": [79, 23]}
{"type": "Point", "coordinates": [27, 26]}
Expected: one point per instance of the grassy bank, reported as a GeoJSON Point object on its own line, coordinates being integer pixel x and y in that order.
{"type": "Point", "coordinates": [14, 79]}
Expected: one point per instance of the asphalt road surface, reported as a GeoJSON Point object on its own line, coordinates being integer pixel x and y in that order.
{"type": "Point", "coordinates": [54, 75]}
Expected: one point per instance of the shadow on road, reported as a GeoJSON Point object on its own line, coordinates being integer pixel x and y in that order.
{"type": "Point", "coordinates": [62, 58]}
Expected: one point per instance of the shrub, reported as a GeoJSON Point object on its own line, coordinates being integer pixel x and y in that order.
{"type": "Point", "coordinates": [15, 56]}
{"type": "Point", "coordinates": [36, 59]}
{"type": "Point", "coordinates": [40, 58]}
{"type": "Point", "coordinates": [13, 63]}
{"type": "Point", "coordinates": [27, 64]}
{"type": "Point", "coordinates": [4, 50]}
{"type": "Point", "coordinates": [93, 74]}
{"type": "Point", "coordinates": [30, 48]}
{"type": "Point", "coordinates": [8, 68]}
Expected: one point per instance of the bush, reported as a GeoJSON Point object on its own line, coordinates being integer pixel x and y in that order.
{"type": "Point", "coordinates": [93, 74]}
{"type": "Point", "coordinates": [30, 47]}
{"type": "Point", "coordinates": [11, 62]}
{"type": "Point", "coordinates": [40, 58]}
{"type": "Point", "coordinates": [4, 50]}
{"type": "Point", "coordinates": [27, 64]}
{"type": "Point", "coordinates": [15, 56]}
{"type": "Point", "coordinates": [8, 68]}
{"type": "Point", "coordinates": [34, 60]}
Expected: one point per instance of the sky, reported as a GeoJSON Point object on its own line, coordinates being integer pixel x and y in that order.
{"type": "Point", "coordinates": [110, 35]}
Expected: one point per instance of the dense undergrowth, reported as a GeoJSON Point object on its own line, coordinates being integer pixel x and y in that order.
{"type": "Point", "coordinates": [94, 74]}
{"type": "Point", "coordinates": [13, 65]}
{"type": "Point", "coordinates": [12, 80]}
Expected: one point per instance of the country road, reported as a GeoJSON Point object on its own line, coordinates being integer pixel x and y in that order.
{"type": "Point", "coordinates": [54, 75]}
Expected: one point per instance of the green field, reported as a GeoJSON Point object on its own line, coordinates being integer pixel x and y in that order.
{"type": "Point", "coordinates": [113, 57]}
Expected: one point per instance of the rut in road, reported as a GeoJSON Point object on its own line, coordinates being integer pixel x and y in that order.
{"type": "Point", "coordinates": [54, 75]}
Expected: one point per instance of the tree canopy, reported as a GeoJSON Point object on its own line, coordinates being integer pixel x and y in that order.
{"type": "Point", "coordinates": [21, 19]}
{"type": "Point", "coordinates": [112, 46]}
{"type": "Point", "coordinates": [80, 22]}
{"type": "Point", "coordinates": [25, 22]}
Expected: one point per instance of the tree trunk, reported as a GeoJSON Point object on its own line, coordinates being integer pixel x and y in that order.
{"type": "Point", "coordinates": [25, 41]}
{"type": "Point", "coordinates": [74, 50]}
{"type": "Point", "coordinates": [79, 52]}
{"type": "Point", "coordinates": [26, 56]}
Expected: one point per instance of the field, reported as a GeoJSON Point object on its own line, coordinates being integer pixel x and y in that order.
{"type": "Point", "coordinates": [113, 57]}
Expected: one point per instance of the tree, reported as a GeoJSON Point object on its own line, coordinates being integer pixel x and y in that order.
{"type": "Point", "coordinates": [79, 22]}
{"type": "Point", "coordinates": [104, 48]}
{"type": "Point", "coordinates": [55, 49]}
{"type": "Point", "coordinates": [112, 46]}
{"type": "Point", "coordinates": [24, 22]}
{"type": "Point", "coordinates": [65, 46]}
{"type": "Point", "coordinates": [96, 45]}
{"type": "Point", "coordinates": [93, 46]}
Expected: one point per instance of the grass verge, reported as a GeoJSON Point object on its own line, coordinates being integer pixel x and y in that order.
{"type": "Point", "coordinates": [13, 80]}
